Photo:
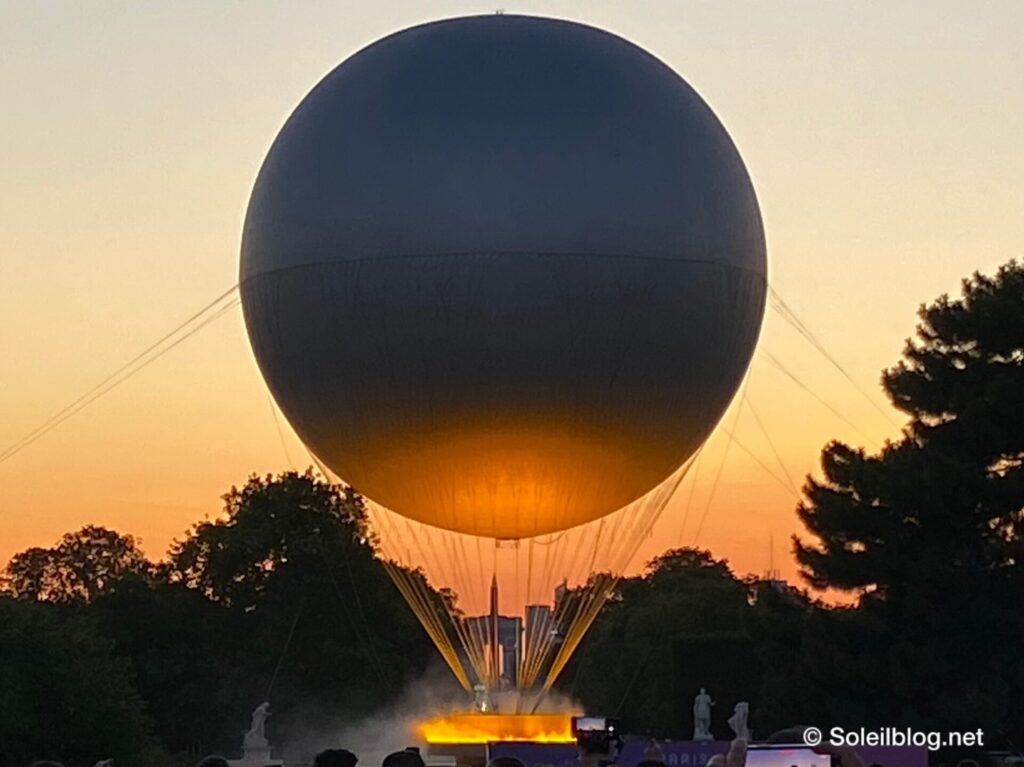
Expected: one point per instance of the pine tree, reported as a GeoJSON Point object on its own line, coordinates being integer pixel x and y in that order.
{"type": "Point", "coordinates": [928, 531]}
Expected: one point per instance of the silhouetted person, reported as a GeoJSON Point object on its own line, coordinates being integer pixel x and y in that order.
{"type": "Point", "coordinates": [213, 761]}
{"type": "Point", "coordinates": [653, 751]}
{"type": "Point", "coordinates": [409, 757]}
{"type": "Point", "coordinates": [736, 756]}
{"type": "Point", "coordinates": [335, 757]}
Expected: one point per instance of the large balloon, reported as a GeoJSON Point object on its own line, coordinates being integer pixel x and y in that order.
{"type": "Point", "coordinates": [503, 274]}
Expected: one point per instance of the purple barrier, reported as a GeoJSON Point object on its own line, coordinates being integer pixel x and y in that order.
{"type": "Point", "coordinates": [894, 756]}
{"type": "Point", "coordinates": [687, 754]}
{"type": "Point", "coordinates": [679, 754]}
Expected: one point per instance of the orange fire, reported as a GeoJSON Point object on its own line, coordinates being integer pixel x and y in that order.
{"type": "Point", "coordinates": [493, 728]}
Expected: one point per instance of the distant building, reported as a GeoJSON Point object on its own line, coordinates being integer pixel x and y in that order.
{"type": "Point", "coordinates": [505, 638]}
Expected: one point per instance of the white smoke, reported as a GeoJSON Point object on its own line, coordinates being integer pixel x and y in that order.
{"type": "Point", "coordinates": [380, 733]}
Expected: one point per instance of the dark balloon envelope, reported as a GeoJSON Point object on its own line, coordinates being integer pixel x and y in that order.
{"type": "Point", "coordinates": [503, 274]}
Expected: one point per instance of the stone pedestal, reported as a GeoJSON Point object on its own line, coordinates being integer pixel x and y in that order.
{"type": "Point", "coordinates": [255, 753]}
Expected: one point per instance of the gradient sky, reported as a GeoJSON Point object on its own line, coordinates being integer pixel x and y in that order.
{"type": "Point", "coordinates": [883, 138]}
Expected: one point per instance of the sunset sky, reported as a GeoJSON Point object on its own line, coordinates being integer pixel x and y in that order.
{"type": "Point", "coordinates": [883, 139]}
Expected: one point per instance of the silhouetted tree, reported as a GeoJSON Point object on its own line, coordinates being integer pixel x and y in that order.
{"type": "Point", "coordinates": [927, 532]}
{"type": "Point", "coordinates": [190, 658]}
{"type": "Point", "coordinates": [81, 566]}
{"type": "Point", "coordinates": [625, 665]}
{"type": "Point", "coordinates": [63, 694]}
{"type": "Point", "coordinates": [284, 595]}
{"type": "Point", "coordinates": [266, 525]}
{"type": "Point", "coordinates": [294, 556]}
{"type": "Point", "coordinates": [948, 498]}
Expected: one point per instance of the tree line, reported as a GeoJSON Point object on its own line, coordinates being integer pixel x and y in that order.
{"type": "Point", "coordinates": [104, 653]}
{"type": "Point", "coordinates": [925, 536]}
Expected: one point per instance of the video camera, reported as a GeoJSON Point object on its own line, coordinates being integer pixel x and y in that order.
{"type": "Point", "coordinates": [597, 736]}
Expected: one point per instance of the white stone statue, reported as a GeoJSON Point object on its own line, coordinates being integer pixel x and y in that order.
{"type": "Point", "coordinates": [702, 716]}
{"type": "Point", "coordinates": [738, 720]}
{"type": "Point", "coordinates": [257, 734]}
{"type": "Point", "coordinates": [255, 746]}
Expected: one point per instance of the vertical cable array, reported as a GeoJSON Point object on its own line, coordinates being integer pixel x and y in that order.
{"type": "Point", "coordinates": [443, 576]}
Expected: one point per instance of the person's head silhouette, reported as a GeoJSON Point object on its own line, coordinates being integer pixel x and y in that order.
{"type": "Point", "coordinates": [335, 757]}
{"type": "Point", "coordinates": [408, 757]}
{"type": "Point", "coordinates": [213, 760]}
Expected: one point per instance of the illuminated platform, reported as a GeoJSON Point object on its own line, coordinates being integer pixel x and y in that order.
{"type": "Point", "coordinates": [470, 729]}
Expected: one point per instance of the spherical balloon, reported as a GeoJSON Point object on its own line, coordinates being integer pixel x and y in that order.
{"type": "Point", "coordinates": [503, 274]}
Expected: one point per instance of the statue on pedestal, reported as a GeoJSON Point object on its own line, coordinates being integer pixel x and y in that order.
{"type": "Point", "coordinates": [738, 720]}
{"type": "Point", "coordinates": [256, 737]}
{"type": "Point", "coordinates": [702, 716]}
{"type": "Point", "coordinates": [255, 746]}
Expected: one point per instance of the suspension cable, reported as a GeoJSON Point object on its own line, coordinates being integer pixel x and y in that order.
{"type": "Point", "coordinates": [140, 361]}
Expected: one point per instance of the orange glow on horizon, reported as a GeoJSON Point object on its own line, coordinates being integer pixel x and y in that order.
{"type": "Point", "coordinates": [128, 168]}
{"type": "Point", "coordinates": [471, 729]}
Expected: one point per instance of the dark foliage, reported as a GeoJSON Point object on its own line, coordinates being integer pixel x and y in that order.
{"type": "Point", "coordinates": [624, 665]}
{"type": "Point", "coordinates": [63, 693]}
{"type": "Point", "coordinates": [82, 565]}
{"type": "Point", "coordinates": [927, 533]}
{"type": "Point", "coordinates": [283, 595]}
{"type": "Point", "coordinates": [105, 654]}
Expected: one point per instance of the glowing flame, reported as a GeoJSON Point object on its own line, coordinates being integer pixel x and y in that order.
{"type": "Point", "coordinates": [493, 728]}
